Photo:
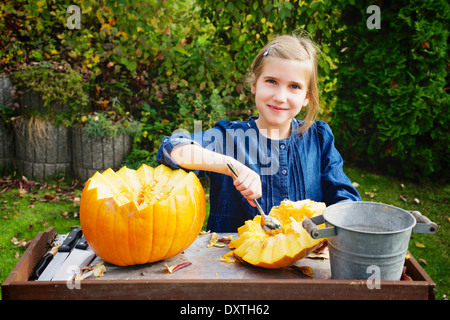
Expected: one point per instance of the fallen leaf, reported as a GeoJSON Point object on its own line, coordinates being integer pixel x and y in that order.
{"type": "Point", "coordinates": [307, 271]}
{"type": "Point", "coordinates": [213, 240]}
{"type": "Point", "coordinates": [416, 200]}
{"type": "Point", "coordinates": [423, 261]}
{"type": "Point", "coordinates": [22, 192]}
{"type": "Point", "coordinates": [54, 250]}
{"type": "Point", "coordinates": [51, 197]}
{"type": "Point", "coordinates": [370, 194]}
{"type": "Point", "coordinates": [99, 269]}
{"type": "Point", "coordinates": [425, 44]}
{"type": "Point", "coordinates": [403, 198]}
{"type": "Point", "coordinates": [172, 269]}
{"type": "Point", "coordinates": [419, 244]}
{"type": "Point", "coordinates": [320, 254]}
{"type": "Point", "coordinates": [22, 243]}
{"type": "Point", "coordinates": [82, 276]}
{"type": "Point", "coordinates": [355, 184]}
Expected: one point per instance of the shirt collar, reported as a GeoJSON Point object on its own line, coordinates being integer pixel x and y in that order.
{"type": "Point", "coordinates": [294, 127]}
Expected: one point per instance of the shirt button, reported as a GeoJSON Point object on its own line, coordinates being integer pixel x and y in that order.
{"type": "Point", "coordinates": [282, 146]}
{"type": "Point", "coordinates": [284, 171]}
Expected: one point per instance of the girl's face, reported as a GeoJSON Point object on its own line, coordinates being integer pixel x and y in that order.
{"type": "Point", "coordinates": [280, 93]}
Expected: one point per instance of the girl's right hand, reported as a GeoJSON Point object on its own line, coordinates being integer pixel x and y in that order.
{"type": "Point", "coordinates": [248, 182]}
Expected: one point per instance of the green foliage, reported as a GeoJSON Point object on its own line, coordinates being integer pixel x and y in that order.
{"type": "Point", "coordinates": [241, 28]}
{"type": "Point", "coordinates": [171, 63]}
{"type": "Point", "coordinates": [167, 55]}
{"type": "Point", "coordinates": [55, 84]}
{"type": "Point", "coordinates": [110, 123]}
{"type": "Point", "coordinates": [206, 110]}
{"type": "Point", "coordinates": [138, 157]}
{"type": "Point", "coordinates": [98, 125]}
{"type": "Point", "coordinates": [393, 107]}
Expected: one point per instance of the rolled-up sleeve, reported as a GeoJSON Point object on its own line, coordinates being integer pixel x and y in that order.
{"type": "Point", "coordinates": [170, 143]}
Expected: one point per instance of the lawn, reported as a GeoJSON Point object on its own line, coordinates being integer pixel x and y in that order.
{"type": "Point", "coordinates": [29, 207]}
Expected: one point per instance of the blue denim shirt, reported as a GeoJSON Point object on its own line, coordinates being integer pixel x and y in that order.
{"type": "Point", "coordinates": [306, 166]}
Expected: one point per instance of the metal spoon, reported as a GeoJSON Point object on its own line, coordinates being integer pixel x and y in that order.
{"type": "Point", "coordinates": [268, 223]}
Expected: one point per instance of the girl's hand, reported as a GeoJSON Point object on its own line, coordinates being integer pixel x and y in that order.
{"type": "Point", "coordinates": [248, 182]}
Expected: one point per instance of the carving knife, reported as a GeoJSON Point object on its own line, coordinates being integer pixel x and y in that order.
{"type": "Point", "coordinates": [48, 257]}
{"type": "Point", "coordinates": [80, 256]}
{"type": "Point", "coordinates": [61, 255]}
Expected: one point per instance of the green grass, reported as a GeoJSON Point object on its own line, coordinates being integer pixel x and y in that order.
{"type": "Point", "coordinates": [22, 216]}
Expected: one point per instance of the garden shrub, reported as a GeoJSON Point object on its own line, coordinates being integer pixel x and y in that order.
{"type": "Point", "coordinates": [56, 85]}
{"type": "Point", "coordinates": [392, 109]}
{"type": "Point", "coordinates": [241, 28]}
{"type": "Point", "coordinates": [171, 62]}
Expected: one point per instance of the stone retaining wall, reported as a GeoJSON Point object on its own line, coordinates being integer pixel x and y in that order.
{"type": "Point", "coordinates": [91, 155]}
{"type": "Point", "coordinates": [40, 150]}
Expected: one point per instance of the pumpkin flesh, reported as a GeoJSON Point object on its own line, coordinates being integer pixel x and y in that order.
{"type": "Point", "coordinates": [133, 217]}
{"type": "Point", "coordinates": [278, 249]}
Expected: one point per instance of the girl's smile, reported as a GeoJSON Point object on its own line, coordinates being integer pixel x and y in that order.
{"type": "Point", "coordinates": [276, 108]}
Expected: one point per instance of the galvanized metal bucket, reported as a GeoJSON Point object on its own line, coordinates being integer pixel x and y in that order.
{"type": "Point", "coordinates": [364, 237]}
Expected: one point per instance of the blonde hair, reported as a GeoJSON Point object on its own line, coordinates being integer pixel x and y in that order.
{"type": "Point", "coordinates": [296, 47]}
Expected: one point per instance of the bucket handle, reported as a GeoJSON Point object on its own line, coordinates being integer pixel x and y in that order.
{"type": "Point", "coordinates": [310, 225]}
{"type": "Point", "coordinates": [423, 225]}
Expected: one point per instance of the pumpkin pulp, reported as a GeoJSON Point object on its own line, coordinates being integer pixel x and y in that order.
{"type": "Point", "coordinates": [282, 248]}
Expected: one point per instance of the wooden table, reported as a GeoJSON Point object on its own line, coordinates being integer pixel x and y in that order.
{"type": "Point", "coordinates": [207, 278]}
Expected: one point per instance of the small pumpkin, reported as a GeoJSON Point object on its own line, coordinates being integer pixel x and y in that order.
{"type": "Point", "coordinates": [133, 217]}
{"type": "Point", "coordinates": [284, 247]}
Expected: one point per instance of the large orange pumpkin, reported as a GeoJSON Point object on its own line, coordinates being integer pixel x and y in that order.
{"type": "Point", "coordinates": [282, 248]}
{"type": "Point", "coordinates": [133, 217]}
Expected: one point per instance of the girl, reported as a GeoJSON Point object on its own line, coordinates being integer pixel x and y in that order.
{"type": "Point", "coordinates": [276, 156]}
